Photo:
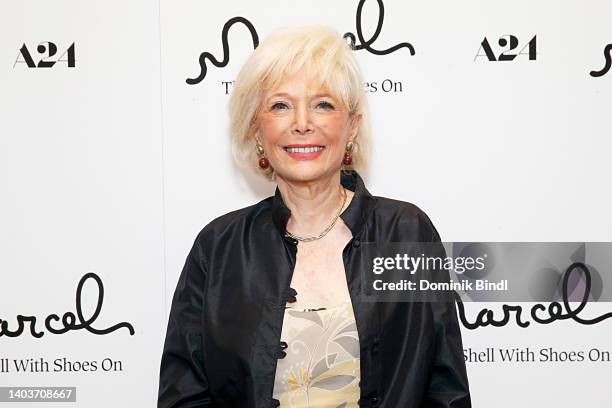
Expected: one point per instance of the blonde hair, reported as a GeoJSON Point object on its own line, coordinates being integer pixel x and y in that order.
{"type": "Point", "coordinates": [325, 56]}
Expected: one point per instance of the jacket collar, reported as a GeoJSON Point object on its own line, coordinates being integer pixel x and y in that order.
{"type": "Point", "coordinates": [353, 216]}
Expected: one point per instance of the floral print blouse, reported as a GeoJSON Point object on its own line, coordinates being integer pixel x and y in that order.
{"type": "Point", "coordinates": [321, 366]}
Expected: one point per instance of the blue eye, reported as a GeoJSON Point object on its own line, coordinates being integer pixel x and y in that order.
{"type": "Point", "coordinates": [279, 104]}
{"type": "Point", "coordinates": [326, 105]}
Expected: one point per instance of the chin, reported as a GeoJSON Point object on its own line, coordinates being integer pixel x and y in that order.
{"type": "Point", "coordinates": [306, 173]}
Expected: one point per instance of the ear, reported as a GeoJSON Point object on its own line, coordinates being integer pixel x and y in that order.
{"type": "Point", "coordinates": [256, 137]}
{"type": "Point", "coordinates": [355, 122]}
{"type": "Point", "coordinates": [254, 129]}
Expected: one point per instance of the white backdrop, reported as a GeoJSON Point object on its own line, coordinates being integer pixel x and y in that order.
{"type": "Point", "coordinates": [113, 165]}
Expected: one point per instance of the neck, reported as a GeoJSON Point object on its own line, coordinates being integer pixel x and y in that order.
{"type": "Point", "coordinates": [313, 204]}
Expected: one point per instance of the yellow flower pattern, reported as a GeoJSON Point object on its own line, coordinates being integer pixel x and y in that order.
{"type": "Point", "coordinates": [300, 381]}
{"type": "Point", "coordinates": [321, 368]}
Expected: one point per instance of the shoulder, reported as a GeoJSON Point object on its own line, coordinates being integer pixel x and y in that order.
{"type": "Point", "coordinates": [240, 218]}
{"type": "Point", "coordinates": [405, 219]}
{"type": "Point", "coordinates": [230, 224]}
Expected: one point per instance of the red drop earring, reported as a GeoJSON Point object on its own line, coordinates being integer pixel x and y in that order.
{"type": "Point", "coordinates": [348, 158]}
{"type": "Point", "coordinates": [264, 163]}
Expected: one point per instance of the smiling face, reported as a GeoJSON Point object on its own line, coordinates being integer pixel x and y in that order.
{"type": "Point", "coordinates": [304, 129]}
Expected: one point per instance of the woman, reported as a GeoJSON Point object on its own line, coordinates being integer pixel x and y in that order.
{"type": "Point", "coordinates": [267, 310]}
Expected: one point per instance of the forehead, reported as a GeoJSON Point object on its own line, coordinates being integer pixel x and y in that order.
{"type": "Point", "coordinates": [299, 82]}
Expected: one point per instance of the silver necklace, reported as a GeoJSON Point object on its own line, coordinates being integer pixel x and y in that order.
{"type": "Point", "coordinates": [325, 231]}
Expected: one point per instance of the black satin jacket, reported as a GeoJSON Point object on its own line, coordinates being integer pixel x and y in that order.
{"type": "Point", "coordinates": [223, 336]}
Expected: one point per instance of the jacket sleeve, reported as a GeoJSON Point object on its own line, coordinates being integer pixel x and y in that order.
{"type": "Point", "coordinates": [183, 382]}
{"type": "Point", "coordinates": [448, 383]}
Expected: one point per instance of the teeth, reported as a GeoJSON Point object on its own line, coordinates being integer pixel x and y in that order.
{"type": "Point", "coordinates": [303, 149]}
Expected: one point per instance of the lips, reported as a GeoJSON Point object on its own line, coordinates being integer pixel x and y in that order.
{"type": "Point", "coordinates": [310, 149]}
{"type": "Point", "coordinates": [304, 152]}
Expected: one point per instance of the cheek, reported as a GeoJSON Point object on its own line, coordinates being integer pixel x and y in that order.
{"type": "Point", "coordinates": [273, 128]}
{"type": "Point", "coordinates": [334, 128]}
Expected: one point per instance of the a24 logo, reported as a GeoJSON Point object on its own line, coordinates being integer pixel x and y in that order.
{"type": "Point", "coordinates": [507, 43]}
{"type": "Point", "coordinates": [45, 56]}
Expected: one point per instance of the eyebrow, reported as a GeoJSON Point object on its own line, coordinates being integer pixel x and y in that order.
{"type": "Point", "coordinates": [318, 95]}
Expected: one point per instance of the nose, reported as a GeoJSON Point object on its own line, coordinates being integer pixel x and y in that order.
{"type": "Point", "coordinates": [302, 121]}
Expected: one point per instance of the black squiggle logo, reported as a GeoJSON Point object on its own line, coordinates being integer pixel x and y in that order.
{"type": "Point", "coordinates": [606, 68]}
{"type": "Point", "coordinates": [555, 310]}
{"type": "Point", "coordinates": [365, 45]}
{"type": "Point", "coordinates": [207, 55]}
{"type": "Point", "coordinates": [68, 320]}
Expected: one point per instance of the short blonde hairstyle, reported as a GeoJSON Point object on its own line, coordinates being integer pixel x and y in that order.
{"type": "Point", "coordinates": [326, 57]}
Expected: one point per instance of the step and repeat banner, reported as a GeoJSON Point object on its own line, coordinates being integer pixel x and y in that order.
{"type": "Point", "coordinates": [494, 118]}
